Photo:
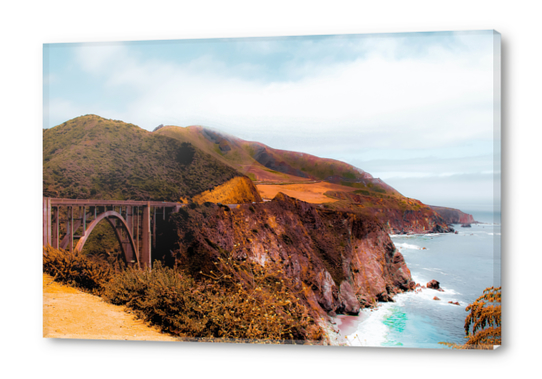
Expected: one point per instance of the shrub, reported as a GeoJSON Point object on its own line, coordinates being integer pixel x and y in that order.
{"type": "Point", "coordinates": [76, 269]}
{"type": "Point", "coordinates": [236, 301]}
{"type": "Point", "coordinates": [240, 301]}
{"type": "Point", "coordinates": [483, 323]}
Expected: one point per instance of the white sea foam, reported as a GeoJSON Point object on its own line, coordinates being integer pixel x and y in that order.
{"type": "Point", "coordinates": [404, 245]}
{"type": "Point", "coordinates": [415, 235]}
{"type": "Point", "coordinates": [434, 270]}
{"type": "Point", "coordinates": [372, 331]}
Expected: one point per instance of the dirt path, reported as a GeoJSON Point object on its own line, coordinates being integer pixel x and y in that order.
{"type": "Point", "coordinates": [70, 313]}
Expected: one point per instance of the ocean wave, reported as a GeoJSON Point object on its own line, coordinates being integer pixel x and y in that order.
{"type": "Point", "coordinates": [380, 324]}
{"type": "Point", "coordinates": [428, 294]}
{"type": "Point", "coordinates": [372, 331]}
{"type": "Point", "coordinates": [416, 235]}
{"type": "Point", "coordinates": [404, 245]}
{"type": "Point", "coordinates": [434, 270]}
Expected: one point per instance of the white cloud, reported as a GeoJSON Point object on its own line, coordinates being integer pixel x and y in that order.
{"type": "Point", "coordinates": [389, 98]}
{"type": "Point", "coordinates": [438, 98]}
{"type": "Point", "coordinates": [463, 191]}
{"type": "Point", "coordinates": [386, 102]}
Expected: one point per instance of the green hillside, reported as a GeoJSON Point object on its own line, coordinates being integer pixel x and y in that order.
{"type": "Point", "coordinates": [93, 157]}
{"type": "Point", "coordinates": [264, 164]}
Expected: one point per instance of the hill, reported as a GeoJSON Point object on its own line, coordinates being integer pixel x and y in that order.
{"type": "Point", "coordinates": [93, 157]}
{"type": "Point", "coordinates": [336, 184]}
{"type": "Point", "coordinates": [266, 165]}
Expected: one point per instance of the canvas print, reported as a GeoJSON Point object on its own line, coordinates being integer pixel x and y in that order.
{"type": "Point", "coordinates": [337, 190]}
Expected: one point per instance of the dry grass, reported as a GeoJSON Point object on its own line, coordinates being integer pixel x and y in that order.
{"type": "Point", "coordinates": [309, 192]}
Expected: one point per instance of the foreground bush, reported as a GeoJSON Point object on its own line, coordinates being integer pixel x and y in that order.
{"type": "Point", "coordinates": [219, 307]}
{"type": "Point", "coordinates": [238, 301]}
{"type": "Point", "coordinates": [483, 323]}
{"type": "Point", "coordinates": [76, 269]}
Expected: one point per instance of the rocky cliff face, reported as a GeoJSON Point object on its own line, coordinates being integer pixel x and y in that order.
{"type": "Point", "coordinates": [398, 214]}
{"type": "Point", "coordinates": [340, 261]}
{"type": "Point", "coordinates": [453, 216]}
{"type": "Point", "coordinates": [238, 190]}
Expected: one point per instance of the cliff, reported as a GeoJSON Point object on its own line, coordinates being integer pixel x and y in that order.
{"type": "Point", "coordinates": [235, 191]}
{"type": "Point", "coordinates": [340, 261]}
{"type": "Point", "coordinates": [398, 214]}
{"type": "Point", "coordinates": [453, 216]}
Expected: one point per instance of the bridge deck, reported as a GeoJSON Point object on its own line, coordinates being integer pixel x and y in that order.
{"type": "Point", "coordinates": [92, 202]}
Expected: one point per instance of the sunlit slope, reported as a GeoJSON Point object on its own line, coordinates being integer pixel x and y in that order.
{"type": "Point", "coordinates": [264, 164]}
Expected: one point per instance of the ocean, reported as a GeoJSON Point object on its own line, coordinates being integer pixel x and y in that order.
{"type": "Point", "coordinates": [465, 264]}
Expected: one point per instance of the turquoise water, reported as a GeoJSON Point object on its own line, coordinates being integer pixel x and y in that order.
{"type": "Point", "coordinates": [465, 264]}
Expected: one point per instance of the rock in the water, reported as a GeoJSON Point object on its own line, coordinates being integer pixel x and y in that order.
{"type": "Point", "coordinates": [465, 225]}
{"type": "Point", "coordinates": [433, 284]}
{"type": "Point", "coordinates": [436, 298]}
{"type": "Point", "coordinates": [454, 302]}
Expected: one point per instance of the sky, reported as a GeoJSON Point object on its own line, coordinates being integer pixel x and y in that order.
{"type": "Point", "coordinates": [418, 110]}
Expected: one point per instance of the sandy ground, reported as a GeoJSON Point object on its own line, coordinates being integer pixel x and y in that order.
{"type": "Point", "coordinates": [310, 192]}
{"type": "Point", "coordinates": [70, 313]}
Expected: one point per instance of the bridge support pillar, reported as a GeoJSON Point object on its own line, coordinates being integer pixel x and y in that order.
{"type": "Point", "coordinates": [56, 226]}
{"type": "Point", "coordinates": [46, 221]}
{"type": "Point", "coordinates": [145, 257]}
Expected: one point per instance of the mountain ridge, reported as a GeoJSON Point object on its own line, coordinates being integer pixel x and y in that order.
{"type": "Point", "coordinates": [93, 157]}
{"type": "Point", "coordinates": [266, 165]}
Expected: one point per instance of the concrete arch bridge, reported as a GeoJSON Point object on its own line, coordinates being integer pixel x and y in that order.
{"type": "Point", "coordinates": [134, 223]}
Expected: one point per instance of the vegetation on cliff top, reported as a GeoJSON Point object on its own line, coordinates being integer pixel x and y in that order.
{"type": "Point", "coordinates": [92, 157]}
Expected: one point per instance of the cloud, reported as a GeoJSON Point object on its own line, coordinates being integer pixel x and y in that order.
{"type": "Point", "coordinates": [334, 97]}
{"type": "Point", "coordinates": [465, 191]}
{"type": "Point", "coordinates": [437, 96]}
{"type": "Point", "coordinates": [430, 166]}
{"type": "Point", "coordinates": [379, 102]}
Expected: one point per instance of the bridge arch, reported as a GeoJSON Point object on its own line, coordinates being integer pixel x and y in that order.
{"type": "Point", "coordinates": [130, 252]}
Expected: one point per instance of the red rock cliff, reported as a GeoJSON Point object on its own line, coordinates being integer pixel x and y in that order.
{"type": "Point", "coordinates": [341, 261]}
{"type": "Point", "coordinates": [453, 216]}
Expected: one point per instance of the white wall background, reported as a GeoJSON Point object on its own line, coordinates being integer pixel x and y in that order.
{"type": "Point", "coordinates": [25, 27]}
